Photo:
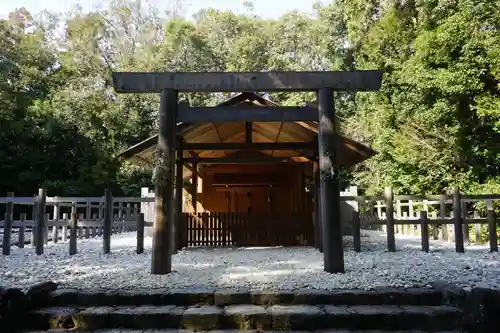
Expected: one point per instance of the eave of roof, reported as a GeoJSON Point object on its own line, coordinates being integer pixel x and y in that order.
{"type": "Point", "coordinates": [362, 150]}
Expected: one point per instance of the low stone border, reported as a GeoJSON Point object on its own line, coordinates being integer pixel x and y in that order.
{"type": "Point", "coordinates": [15, 304]}
{"type": "Point", "coordinates": [481, 306]}
{"type": "Point", "coordinates": [222, 297]}
{"type": "Point", "coordinates": [248, 317]}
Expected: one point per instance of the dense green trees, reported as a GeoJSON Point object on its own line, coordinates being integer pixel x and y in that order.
{"type": "Point", "coordinates": [436, 121]}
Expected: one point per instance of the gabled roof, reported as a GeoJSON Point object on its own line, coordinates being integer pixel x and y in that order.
{"type": "Point", "coordinates": [350, 152]}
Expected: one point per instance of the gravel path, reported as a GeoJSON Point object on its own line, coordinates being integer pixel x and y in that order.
{"type": "Point", "coordinates": [255, 268]}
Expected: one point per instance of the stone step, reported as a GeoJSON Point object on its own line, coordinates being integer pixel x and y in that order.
{"type": "Point", "coordinates": [186, 297]}
{"type": "Point", "coordinates": [217, 331]}
{"type": "Point", "coordinates": [247, 317]}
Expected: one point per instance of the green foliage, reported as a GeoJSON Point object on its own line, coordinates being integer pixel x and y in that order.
{"type": "Point", "coordinates": [435, 123]}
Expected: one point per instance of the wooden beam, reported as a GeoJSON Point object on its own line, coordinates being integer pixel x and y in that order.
{"type": "Point", "coordinates": [224, 114]}
{"type": "Point", "coordinates": [307, 126]}
{"type": "Point", "coordinates": [277, 136]}
{"type": "Point", "coordinates": [333, 252]}
{"type": "Point", "coordinates": [161, 261]}
{"type": "Point", "coordinates": [239, 160]}
{"type": "Point", "coordinates": [252, 146]}
{"type": "Point", "coordinates": [137, 82]}
{"type": "Point", "coordinates": [248, 179]}
{"type": "Point", "coordinates": [218, 134]}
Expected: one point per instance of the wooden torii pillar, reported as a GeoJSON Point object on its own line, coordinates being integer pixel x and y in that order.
{"type": "Point", "coordinates": [324, 83]}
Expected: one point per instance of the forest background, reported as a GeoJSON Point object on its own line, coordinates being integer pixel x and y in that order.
{"type": "Point", "coordinates": [435, 123]}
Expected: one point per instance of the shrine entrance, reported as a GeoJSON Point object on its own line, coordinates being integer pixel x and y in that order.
{"type": "Point", "coordinates": [245, 192]}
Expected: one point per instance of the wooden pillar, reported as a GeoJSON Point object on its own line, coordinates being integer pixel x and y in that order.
{"type": "Point", "coordinates": [333, 252]}
{"type": "Point", "coordinates": [458, 221]}
{"type": "Point", "coordinates": [389, 213]}
{"type": "Point", "coordinates": [248, 132]}
{"type": "Point", "coordinates": [178, 196]}
{"type": "Point", "coordinates": [41, 201]}
{"type": "Point", "coordinates": [107, 226]}
{"type": "Point", "coordinates": [161, 261]}
{"type": "Point", "coordinates": [317, 213]}
{"type": "Point", "coordinates": [194, 193]}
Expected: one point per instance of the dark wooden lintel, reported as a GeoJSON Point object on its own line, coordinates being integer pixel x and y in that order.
{"type": "Point", "coordinates": [224, 114]}
{"type": "Point", "coordinates": [136, 82]}
{"type": "Point", "coordinates": [251, 146]}
{"type": "Point", "coordinates": [239, 160]}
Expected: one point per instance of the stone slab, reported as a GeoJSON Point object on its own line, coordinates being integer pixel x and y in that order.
{"type": "Point", "coordinates": [272, 298]}
{"type": "Point", "coordinates": [410, 296]}
{"type": "Point", "coordinates": [53, 317]}
{"type": "Point", "coordinates": [211, 296]}
{"type": "Point", "coordinates": [63, 297]}
{"type": "Point", "coordinates": [257, 317]}
{"type": "Point", "coordinates": [232, 296]}
{"type": "Point", "coordinates": [206, 317]}
{"type": "Point", "coordinates": [192, 296]}
{"type": "Point", "coordinates": [297, 317]}
{"type": "Point", "coordinates": [117, 330]}
{"type": "Point", "coordinates": [228, 331]}
{"type": "Point", "coordinates": [247, 317]}
{"type": "Point", "coordinates": [93, 318]}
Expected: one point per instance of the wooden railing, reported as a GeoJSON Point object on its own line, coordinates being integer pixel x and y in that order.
{"type": "Point", "coordinates": [243, 229]}
{"type": "Point", "coordinates": [84, 217]}
{"type": "Point", "coordinates": [438, 217]}
{"type": "Point", "coordinates": [67, 218]}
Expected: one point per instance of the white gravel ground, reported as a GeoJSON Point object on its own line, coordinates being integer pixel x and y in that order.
{"type": "Point", "coordinates": [255, 268]}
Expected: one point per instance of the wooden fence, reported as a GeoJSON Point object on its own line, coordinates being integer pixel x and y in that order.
{"type": "Point", "coordinates": [428, 216]}
{"type": "Point", "coordinates": [244, 229]}
{"type": "Point", "coordinates": [45, 219]}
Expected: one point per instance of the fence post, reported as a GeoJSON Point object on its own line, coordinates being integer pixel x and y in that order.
{"type": "Point", "coordinates": [492, 227]}
{"type": "Point", "coordinates": [88, 211]}
{"type": "Point", "coordinates": [55, 231]}
{"type": "Point", "coordinates": [424, 223]}
{"type": "Point", "coordinates": [140, 233]}
{"type": "Point", "coordinates": [108, 217]}
{"type": "Point", "coordinates": [457, 217]}
{"type": "Point", "coordinates": [64, 229]}
{"type": "Point", "coordinates": [95, 227]}
{"type": "Point", "coordinates": [389, 213]}
{"type": "Point", "coordinates": [477, 228]}
{"type": "Point", "coordinates": [46, 230]}
{"type": "Point", "coordinates": [73, 231]}
{"type": "Point", "coordinates": [22, 230]}
{"type": "Point", "coordinates": [41, 201]}
{"type": "Point", "coordinates": [34, 215]}
{"type": "Point", "coordinates": [356, 231]}
{"type": "Point", "coordinates": [465, 225]}
{"type": "Point", "coordinates": [442, 215]}
{"type": "Point", "coordinates": [7, 225]}
{"type": "Point", "coordinates": [55, 217]}
{"type": "Point", "coordinates": [80, 228]}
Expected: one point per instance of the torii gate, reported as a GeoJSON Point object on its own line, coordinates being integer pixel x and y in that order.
{"type": "Point", "coordinates": [169, 84]}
